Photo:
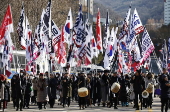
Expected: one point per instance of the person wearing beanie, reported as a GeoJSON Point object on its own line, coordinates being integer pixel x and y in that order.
{"type": "Point", "coordinates": [139, 87]}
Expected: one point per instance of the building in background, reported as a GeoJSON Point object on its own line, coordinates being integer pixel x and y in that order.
{"type": "Point", "coordinates": [166, 12]}
{"type": "Point", "coordinates": [87, 9]}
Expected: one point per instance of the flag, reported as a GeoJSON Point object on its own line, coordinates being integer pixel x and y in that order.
{"type": "Point", "coordinates": [169, 55]}
{"type": "Point", "coordinates": [111, 49]}
{"type": "Point", "coordinates": [7, 23]}
{"type": "Point", "coordinates": [8, 71]}
{"type": "Point", "coordinates": [124, 31]}
{"type": "Point", "coordinates": [129, 62]}
{"type": "Point", "coordinates": [6, 27]}
{"type": "Point", "coordinates": [5, 54]}
{"type": "Point", "coordinates": [98, 33]}
{"type": "Point", "coordinates": [131, 35]}
{"type": "Point", "coordinates": [39, 36]}
{"type": "Point", "coordinates": [120, 61]}
{"type": "Point", "coordinates": [147, 63]}
{"type": "Point", "coordinates": [79, 36]}
{"type": "Point", "coordinates": [94, 50]}
{"type": "Point", "coordinates": [28, 36]}
{"type": "Point", "coordinates": [47, 30]}
{"type": "Point", "coordinates": [62, 50]}
{"type": "Point", "coordinates": [6, 58]}
{"type": "Point", "coordinates": [146, 46]}
{"type": "Point", "coordinates": [21, 29]}
{"type": "Point", "coordinates": [137, 24]}
{"type": "Point", "coordinates": [67, 27]}
{"type": "Point", "coordinates": [125, 67]}
{"type": "Point", "coordinates": [159, 64]}
{"type": "Point", "coordinates": [107, 32]}
{"type": "Point", "coordinates": [136, 51]}
{"type": "Point", "coordinates": [165, 55]}
{"type": "Point", "coordinates": [84, 53]}
{"type": "Point", "coordinates": [56, 35]}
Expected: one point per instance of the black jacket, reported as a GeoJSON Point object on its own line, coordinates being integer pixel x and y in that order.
{"type": "Point", "coordinates": [138, 84]}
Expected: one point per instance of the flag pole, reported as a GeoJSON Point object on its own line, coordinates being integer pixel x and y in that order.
{"type": "Point", "coordinates": [17, 57]}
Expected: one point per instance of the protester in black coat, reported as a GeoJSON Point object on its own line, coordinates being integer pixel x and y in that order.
{"type": "Point", "coordinates": [104, 82]}
{"type": "Point", "coordinates": [27, 93]}
{"type": "Point", "coordinates": [138, 86]}
{"type": "Point", "coordinates": [82, 83]}
{"type": "Point", "coordinates": [66, 89]}
{"type": "Point", "coordinates": [114, 96]}
{"type": "Point", "coordinates": [13, 93]}
{"type": "Point", "coordinates": [96, 89]}
{"type": "Point", "coordinates": [125, 85]}
{"type": "Point", "coordinates": [18, 89]}
{"type": "Point", "coordinates": [52, 87]}
{"type": "Point", "coordinates": [165, 93]}
{"type": "Point", "coordinates": [4, 85]}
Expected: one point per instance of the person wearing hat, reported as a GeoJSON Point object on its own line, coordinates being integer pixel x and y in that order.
{"type": "Point", "coordinates": [138, 86]}
{"type": "Point", "coordinates": [104, 82]}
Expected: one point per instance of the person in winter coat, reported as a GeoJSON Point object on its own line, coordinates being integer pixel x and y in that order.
{"type": "Point", "coordinates": [138, 86]}
{"type": "Point", "coordinates": [19, 91]}
{"type": "Point", "coordinates": [114, 96]}
{"type": "Point", "coordinates": [66, 89]}
{"type": "Point", "coordinates": [82, 83]}
{"type": "Point", "coordinates": [96, 90]}
{"type": "Point", "coordinates": [104, 82]}
{"type": "Point", "coordinates": [149, 79]}
{"type": "Point", "coordinates": [34, 83]}
{"type": "Point", "coordinates": [124, 90]}
{"type": "Point", "coordinates": [13, 94]}
{"type": "Point", "coordinates": [27, 94]}
{"type": "Point", "coordinates": [4, 90]}
{"type": "Point", "coordinates": [165, 93]}
{"type": "Point", "coordinates": [42, 91]}
{"type": "Point", "coordinates": [52, 87]}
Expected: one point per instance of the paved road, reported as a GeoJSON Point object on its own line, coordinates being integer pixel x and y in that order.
{"type": "Point", "coordinates": [74, 107]}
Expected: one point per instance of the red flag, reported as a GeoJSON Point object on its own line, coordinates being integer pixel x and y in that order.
{"type": "Point", "coordinates": [6, 25]}
{"type": "Point", "coordinates": [61, 50]}
{"type": "Point", "coordinates": [120, 63]}
{"type": "Point", "coordinates": [8, 71]}
{"type": "Point", "coordinates": [98, 33]}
